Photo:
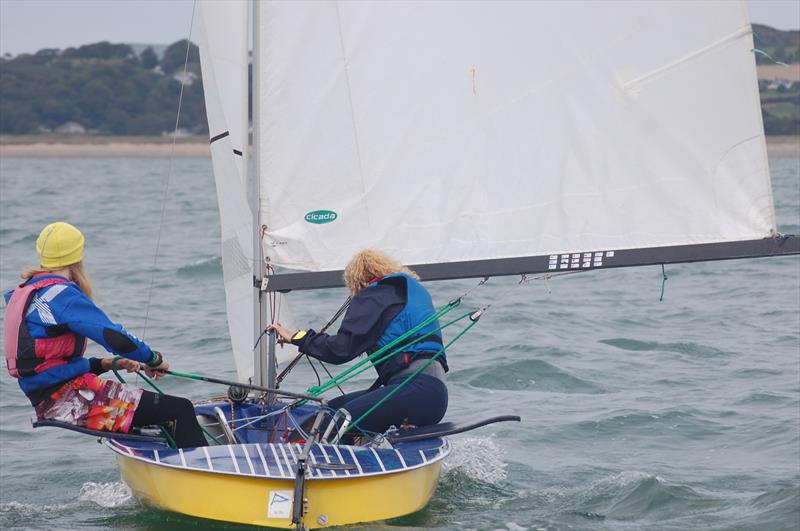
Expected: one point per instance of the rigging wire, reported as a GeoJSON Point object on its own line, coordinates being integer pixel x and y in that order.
{"type": "Point", "coordinates": [169, 174]}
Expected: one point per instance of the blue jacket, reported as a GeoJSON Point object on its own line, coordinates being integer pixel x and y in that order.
{"type": "Point", "coordinates": [65, 305]}
{"type": "Point", "coordinates": [378, 314]}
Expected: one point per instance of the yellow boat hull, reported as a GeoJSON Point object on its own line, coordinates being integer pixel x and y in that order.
{"type": "Point", "coordinates": [246, 500]}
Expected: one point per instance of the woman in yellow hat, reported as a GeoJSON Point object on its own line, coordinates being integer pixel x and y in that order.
{"type": "Point", "coordinates": [49, 317]}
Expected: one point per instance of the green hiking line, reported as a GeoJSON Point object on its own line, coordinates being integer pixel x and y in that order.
{"type": "Point", "coordinates": [378, 355]}
{"type": "Point", "coordinates": [411, 376]}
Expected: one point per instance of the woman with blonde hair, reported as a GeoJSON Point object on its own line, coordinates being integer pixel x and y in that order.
{"type": "Point", "coordinates": [47, 322]}
{"type": "Point", "coordinates": [387, 301]}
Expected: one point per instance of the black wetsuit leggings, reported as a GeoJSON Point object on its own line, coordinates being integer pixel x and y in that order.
{"type": "Point", "coordinates": [155, 408]}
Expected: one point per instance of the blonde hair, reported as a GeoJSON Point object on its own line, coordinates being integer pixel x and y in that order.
{"type": "Point", "coordinates": [370, 264]}
{"type": "Point", "coordinates": [76, 274]}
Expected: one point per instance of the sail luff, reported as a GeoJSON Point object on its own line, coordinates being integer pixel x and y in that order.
{"type": "Point", "coordinates": [223, 54]}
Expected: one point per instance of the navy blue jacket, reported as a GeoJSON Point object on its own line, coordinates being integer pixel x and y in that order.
{"type": "Point", "coordinates": [381, 308]}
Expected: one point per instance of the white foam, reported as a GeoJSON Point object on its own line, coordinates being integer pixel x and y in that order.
{"type": "Point", "coordinates": [31, 509]}
{"type": "Point", "coordinates": [106, 494]}
{"type": "Point", "coordinates": [480, 458]}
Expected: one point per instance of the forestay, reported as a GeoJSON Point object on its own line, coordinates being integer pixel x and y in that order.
{"type": "Point", "coordinates": [453, 131]}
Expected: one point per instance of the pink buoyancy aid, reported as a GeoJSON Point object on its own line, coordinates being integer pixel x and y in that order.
{"type": "Point", "coordinates": [26, 356]}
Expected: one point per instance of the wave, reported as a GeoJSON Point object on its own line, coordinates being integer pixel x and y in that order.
{"type": "Point", "coordinates": [687, 423]}
{"type": "Point", "coordinates": [527, 375]}
{"type": "Point", "coordinates": [778, 509]}
{"type": "Point", "coordinates": [634, 495]}
{"type": "Point", "coordinates": [764, 398]}
{"type": "Point", "coordinates": [636, 345]}
{"type": "Point", "coordinates": [208, 267]}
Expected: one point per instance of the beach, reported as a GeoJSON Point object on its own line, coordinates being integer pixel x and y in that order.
{"type": "Point", "coordinates": [66, 146]}
{"type": "Point", "coordinates": [82, 146]}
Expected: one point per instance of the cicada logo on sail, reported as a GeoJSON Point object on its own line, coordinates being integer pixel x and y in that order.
{"type": "Point", "coordinates": [318, 217]}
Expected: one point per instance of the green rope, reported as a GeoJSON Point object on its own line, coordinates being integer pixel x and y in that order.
{"type": "Point", "coordinates": [768, 56]}
{"type": "Point", "coordinates": [378, 358]}
{"type": "Point", "coordinates": [411, 376]}
{"type": "Point", "coordinates": [381, 354]}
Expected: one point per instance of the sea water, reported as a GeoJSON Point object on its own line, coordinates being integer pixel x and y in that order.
{"type": "Point", "coordinates": [637, 413]}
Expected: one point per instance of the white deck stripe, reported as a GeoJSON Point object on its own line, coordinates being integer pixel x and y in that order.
{"type": "Point", "coordinates": [264, 461]}
{"type": "Point", "coordinates": [291, 451]}
{"type": "Point", "coordinates": [247, 456]}
{"type": "Point", "coordinates": [322, 471]}
{"type": "Point", "coordinates": [208, 458]}
{"type": "Point", "coordinates": [402, 461]}
{"type": "Point", "coordinates": [156, 457]}
{"type": "Point", "coordinates": [233, 458]}
{"type": "Point", "coordinates": [358, 465]}
{"type": "Point", "coordinates": [424, 459]}
{"type": "Point", "coordinates": [378, 458]}
{"type": "Point", "coordinates": [341, 459]}
{"type": "Point", "coordinates": [314, 462]}
{"type": "Point", "coordinates": [289, 466]}
{"type": "Point", "coordinates": [334, 472]}
{"type": "Point", "coordinates": [277, 459]}
{"type": "Point", "coordinates": [183, 457]}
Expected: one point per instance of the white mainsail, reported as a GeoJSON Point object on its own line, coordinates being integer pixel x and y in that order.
{"type": "Point", "coordinates": [448, 131]}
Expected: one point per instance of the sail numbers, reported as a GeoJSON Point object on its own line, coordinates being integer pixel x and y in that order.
{"type": "Point", "coordinates": [586, 260]}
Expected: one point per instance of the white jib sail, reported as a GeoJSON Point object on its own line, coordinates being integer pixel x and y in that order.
{"type": "Point", "coordinates": [447, 131]}
{"type": "Point", "coordinates": [223, 54]}
{"type": "Point", "coordinates": [223, 43]}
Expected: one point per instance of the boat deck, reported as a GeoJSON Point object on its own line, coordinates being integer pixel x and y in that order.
{"type": "Point", "coordinates": [279, 460]}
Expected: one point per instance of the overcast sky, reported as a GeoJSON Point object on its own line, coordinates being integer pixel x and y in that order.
{"type": "Point", "coordinates": [29, 25]}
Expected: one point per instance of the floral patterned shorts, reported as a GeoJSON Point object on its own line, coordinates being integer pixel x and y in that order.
{"type": "Point", "coordinates": [93, 403]}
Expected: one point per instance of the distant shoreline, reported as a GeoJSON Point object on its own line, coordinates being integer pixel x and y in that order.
{"type": "Point", "coordinates": [54, 146]}
{"type": "Point", "coordinates": [84, 146]}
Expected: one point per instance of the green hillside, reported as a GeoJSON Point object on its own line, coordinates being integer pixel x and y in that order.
{"type": "Point", "coordinates": [104, 87]}
{"type": "Point", "coordinates": [781, 45]}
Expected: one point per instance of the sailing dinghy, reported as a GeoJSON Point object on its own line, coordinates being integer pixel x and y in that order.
{"type": "Point", "coordinates": [468, 140]}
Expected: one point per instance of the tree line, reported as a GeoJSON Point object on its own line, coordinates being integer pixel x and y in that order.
{"type": "Point", "coordinates": [109, 89]}
{"type": "Point", "coordinates": [106, 88]}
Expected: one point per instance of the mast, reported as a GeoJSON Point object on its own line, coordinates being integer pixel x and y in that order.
{"type": "Point", "coordinates": [264, 353]}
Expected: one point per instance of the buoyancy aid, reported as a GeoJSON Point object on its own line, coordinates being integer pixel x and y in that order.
{"type": "Point", "coordinates": [26, 356]}
{"type": "Point", "coordinates": [418, 308]}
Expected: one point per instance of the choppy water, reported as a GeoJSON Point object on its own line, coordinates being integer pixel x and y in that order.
{"type": "Point", "coordinates": [637, 414]}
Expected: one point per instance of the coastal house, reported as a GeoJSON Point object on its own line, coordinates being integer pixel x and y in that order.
{"type": "Point", "coordinates": [70, 128]}
{"type": "Point", "coordinates": [778, 84]}
{"type": "Point", "coordinates": [185, 78]}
